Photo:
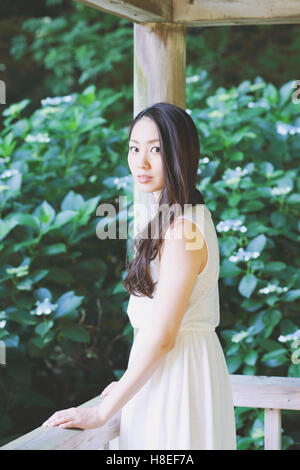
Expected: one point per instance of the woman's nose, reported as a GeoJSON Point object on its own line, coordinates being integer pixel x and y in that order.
{"type": "Point", "coordinates": [143, 159]}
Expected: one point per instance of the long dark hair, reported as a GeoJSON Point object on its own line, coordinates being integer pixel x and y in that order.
{"type": "Point", "coordinates": [180, 153]}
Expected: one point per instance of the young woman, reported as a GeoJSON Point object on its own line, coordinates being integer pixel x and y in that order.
{"type": "Point", "coordinates": [176, 392]}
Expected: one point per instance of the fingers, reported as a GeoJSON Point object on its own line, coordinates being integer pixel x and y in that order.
{"type": "Point", "coordinates": [60, 418]}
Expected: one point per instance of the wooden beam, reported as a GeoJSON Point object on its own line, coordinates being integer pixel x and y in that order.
{"type": "Point", "coordinates": [195, 13]}
{"type": "Point", "coordinates": [138, 11]}
{"type": "Point", "coordinates": [266, 392]}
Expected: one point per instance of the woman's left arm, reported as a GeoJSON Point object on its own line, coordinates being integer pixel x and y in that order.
{"type": "Point", "coordinates": [173, 292]}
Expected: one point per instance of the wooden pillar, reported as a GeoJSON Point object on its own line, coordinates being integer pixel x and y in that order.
{"type": "Point", "coordinates": [159, 75]}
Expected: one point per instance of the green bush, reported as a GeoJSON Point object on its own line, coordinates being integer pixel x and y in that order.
{"type": "Point", "coordinates": [57, 278]}
{"type": "Point", "coordinates": [249, 174]}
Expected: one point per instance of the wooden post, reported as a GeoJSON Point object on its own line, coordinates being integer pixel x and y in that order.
{"type": "Point", "coordinates": [272, 429]}
{"type": "Point", "coordinates": [159, 76]}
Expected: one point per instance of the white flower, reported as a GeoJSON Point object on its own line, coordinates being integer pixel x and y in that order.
{"type": "Point", "coordinates": [43, 308]}
{"type": "Point", "coordinates": [9, 173]}
{"type": "Point", "coordinates": [291, 337]}
{"type": "Point", "coordinates": [2, 323]}
{"type": "Point", "coordinates": [232, 177]}
{"type": "Point", "coordinates": [260, 103]}
{"type": "Point", "coordinates": [239, 336]}
{"type": "Point", "coordinates": [122, 182]}
{"type": "Point", "coordinates": [243, 255]}
{"type": "Point", "coordinates": [231, 224]}
{"type": "Point", "coordinates": [284, 129]}
{"type": "Point", "coordinates": [40, 137]}
{"type": "Point", "coordinates": [192, 79]}
{"type": "Point", "coordinates": [272, 288]}
{"type": "Point", "coordinates": [280, 191]}
{"type": "Point", "coordinates": [56, 100]}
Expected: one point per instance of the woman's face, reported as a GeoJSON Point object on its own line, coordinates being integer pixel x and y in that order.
{"type": "Point", "coordinates": [144, 156]}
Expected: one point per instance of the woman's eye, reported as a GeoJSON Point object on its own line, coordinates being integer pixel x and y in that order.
{"type": "Point", "coordinates": [133, 147]}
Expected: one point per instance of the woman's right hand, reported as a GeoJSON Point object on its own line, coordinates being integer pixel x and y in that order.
{"type": "Point", "coordinates": [109, 388]}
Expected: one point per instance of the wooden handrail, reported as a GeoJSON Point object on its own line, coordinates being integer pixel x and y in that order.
{"type": "Point", "coordinates": [271, 393]}
{"type": "Point", "coordinates": [55, 438]}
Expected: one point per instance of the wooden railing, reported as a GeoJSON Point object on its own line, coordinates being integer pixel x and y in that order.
{"type": "Point", "coordinates": [271, 393]}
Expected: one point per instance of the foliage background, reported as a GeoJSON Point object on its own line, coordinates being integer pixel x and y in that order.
{"type": "Point", "coordinates": [63, 309]}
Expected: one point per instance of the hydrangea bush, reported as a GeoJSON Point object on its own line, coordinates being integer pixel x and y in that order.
{"type": "Point", "coordinates": [249, 174]}
{"type": "Point", "coordinates": [63, 308]}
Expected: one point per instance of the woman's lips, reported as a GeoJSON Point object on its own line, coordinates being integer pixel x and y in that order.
{"type": "Point", "coordinates": [144, 179]}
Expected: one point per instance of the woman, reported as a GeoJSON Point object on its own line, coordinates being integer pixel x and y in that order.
{"type": "Point", "coordinates": [176, 392]}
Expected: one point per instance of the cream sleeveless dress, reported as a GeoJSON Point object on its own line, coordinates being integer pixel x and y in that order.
{"type": "Point", "coordinates": [187, 403]}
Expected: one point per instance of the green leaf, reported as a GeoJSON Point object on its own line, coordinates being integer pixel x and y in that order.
{"type": "Point", "coordinates": [271, 94]}
{"type": "Point", "coordinates": [63, 218]}
{"type": "Point", "coordinates": [25, 219]}
{"type": "Point", "coordinates": [233, 363]}
{"type": "Point", "coordinates": [45, 213]}
{"type": "Point", "coordinates": [72, 202]}
{"type": "Point", "coordinates": [257, 244]}
{"type": "Point", "coordinates": [229, 269]}
{"type": "Point", "coordinates": [43, 328]}
{"type": "Point", "coordinates": [274, 266]}
{"type": "Point", "coordinates": [6, 226]}
{"type": "Point", "coordinates": [278, 219]}
{"type": "Point", "coordinates": [15, 108]}
{"type": "Point", "coordinates": [251, 358]}
{"type": "Point", "coordinates": [275, 358]}
{"type": "Point", "coordinates": [293, 199]}
{"type": "Point", "coordinates": [54, 249]}
{"type": "Point", "coordinates": [42, 293]}
{"type": "Point", "coordinates": [257, 430]}
{"type": "Point", "coordinates": [247, 285]}
{"type": "Point", "coordinates": [22, 317]}
{"type": "Point", "coordinates": [67, 303]}
{"type": "Point", "coordinates": [42, 341]}
{"type": "Point", "coordinates": [75, 333]}
{"type": "Point", "coordinates": [11, 341]}
{"type": "Point", "coordinates": [291, 295]}
{"type": "Point", "coordinates": [285, 92]}
{"type": "Point", "coordinates": [271, 318]}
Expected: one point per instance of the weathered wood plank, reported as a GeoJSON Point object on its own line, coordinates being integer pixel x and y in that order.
{"type": "Point", "coordinates": [55, 438]}
{"type": "Point", "coordinates": [195, 13]}
{"type": "Point", "coordinates": [266, 392]}
{"type": "Point", "coordinates": [272, 429]}
{"type": "Point", "coordinates": [138, 11]}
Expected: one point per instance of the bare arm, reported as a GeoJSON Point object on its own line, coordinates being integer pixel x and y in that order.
{"type": "Point", "coordinates": [173, 292]}
{"type": "Point", "coordinates": [140, 370]}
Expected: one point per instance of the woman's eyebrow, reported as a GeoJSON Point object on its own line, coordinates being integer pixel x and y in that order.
{"type": "Point", "coordinates": [149, 141]}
